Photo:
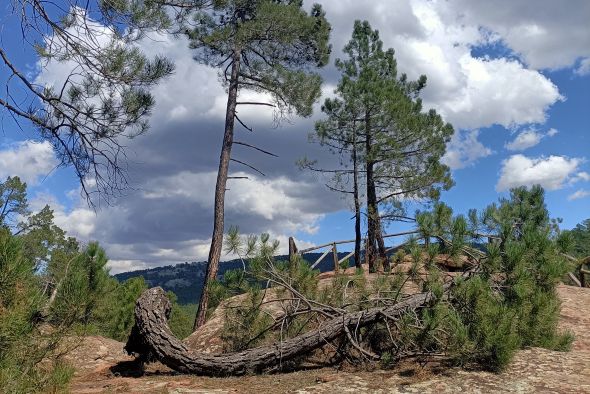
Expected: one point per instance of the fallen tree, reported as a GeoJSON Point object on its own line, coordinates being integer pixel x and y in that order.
{"type": "Point", "coordinates": [151, 337]}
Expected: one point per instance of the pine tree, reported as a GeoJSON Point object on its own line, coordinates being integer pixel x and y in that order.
{"type": "Point", "coordinates": [339, 133]}
{"type": "Point", "coordinates": [401, 145]}
{"type": "Point", "coordinates": [268, 47]}
{"type": "Point", "coordinates": [581, 238]}
{"type": "Point", "coordinates": [106, 96]}
{"type": "Point", "coordinates": [13, 201]}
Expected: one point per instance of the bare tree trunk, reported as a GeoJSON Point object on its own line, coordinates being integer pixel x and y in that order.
{"type": "Point", "coordinates": [292, 251]}
{"type": "Point", "coordinates": [371, 197]}
{"type": "Point", "coordinates": [152, 339]}
{"type": "Point", "coordinates": [357, 205]}
{"type": "Point", "coordinates": [375, 234]}
{"type": "Point", "coordinates": [220, 187]}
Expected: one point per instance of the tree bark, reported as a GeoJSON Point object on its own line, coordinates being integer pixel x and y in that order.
{"type": "Point", "coordinates": [373, 222]}
{"type": "Point", "coordinates": [220, 187]}
{"type": "Point", "coordinates": [357, 205]}
{"type": "Point", "coordinates": [151, 338]}
{"type": "Point", "coordinates": [371, 196]}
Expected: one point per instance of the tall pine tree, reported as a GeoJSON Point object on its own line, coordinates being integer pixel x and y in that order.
{"type": "Point", "coordinates": [400, 144]}
{"type": "Point", "coordinates": [268, 47]}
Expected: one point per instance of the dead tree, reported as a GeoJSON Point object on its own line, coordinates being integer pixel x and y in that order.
{"type": "Point", "coordinates": [151, 338]}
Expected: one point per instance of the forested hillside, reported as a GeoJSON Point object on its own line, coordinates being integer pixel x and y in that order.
{"type": "Point", "coordinates": [186, 279]}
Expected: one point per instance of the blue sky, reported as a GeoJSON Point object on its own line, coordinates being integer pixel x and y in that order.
{"type": "Point", "coordinates": [513, 77]}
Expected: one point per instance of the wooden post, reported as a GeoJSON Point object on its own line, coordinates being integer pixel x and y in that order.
{"type": "Point", "coordinates": [335, 253]}
{"type": "Point", "coordinates": [574, 279]}
{"type": "Point", "coordinates": [583, 273]}
{"type": "Point", "coordinates": [292, 250]}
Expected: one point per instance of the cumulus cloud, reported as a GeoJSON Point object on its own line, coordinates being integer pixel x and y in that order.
{"type": "Point", "coordinates": [431, 38]}
{"type": "Point", "coordinates": [464, 150]}
{"type": "Point", "coordinates": [578, 194]}
{"type": "Point", "coordinates": [29, 160]}
{"type": "Point", "coordinates": [546, 34]}
{"type": "Point", "coordinates": [551, 172]}
{"type": "Point", "coordinates": [528, 138]}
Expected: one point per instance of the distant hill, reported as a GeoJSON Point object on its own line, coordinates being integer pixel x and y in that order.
{"type": "Point", "coordinates": [186, 279]}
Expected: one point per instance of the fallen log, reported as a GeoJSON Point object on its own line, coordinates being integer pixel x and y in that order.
{"type": "Point", "coordinates": [151, 338]}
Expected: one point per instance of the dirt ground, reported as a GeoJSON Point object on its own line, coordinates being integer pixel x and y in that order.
{"type": "Point", "coordinates": [102, 367]}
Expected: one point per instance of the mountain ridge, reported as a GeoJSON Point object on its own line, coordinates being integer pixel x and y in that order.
{"type": "Point", "coordinates": [186, 279]}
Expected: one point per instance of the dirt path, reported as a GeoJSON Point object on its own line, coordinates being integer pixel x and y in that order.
{"type": "Point", "coordinates": [533, 370]}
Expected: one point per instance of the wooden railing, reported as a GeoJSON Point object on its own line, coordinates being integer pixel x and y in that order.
{"type": "Point", "coordinates": [293, 251]}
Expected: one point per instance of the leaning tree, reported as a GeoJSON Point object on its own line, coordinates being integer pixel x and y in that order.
{"type": "Point", "coordinates": [269, 47]}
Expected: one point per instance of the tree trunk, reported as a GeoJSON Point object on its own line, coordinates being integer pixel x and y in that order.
{"type": "Point", "coordinates": [374, 221]}
{"type": "Point", "coordinates": [220, 187]}
{"type": "Point", "coordinates": [371, 197]}
{"type": "Point", "coordinates": [292, 251]}
{"type": "Point", "coordinates": [357, 205]}
{"type": "Point", "coordinates": [152, 339]}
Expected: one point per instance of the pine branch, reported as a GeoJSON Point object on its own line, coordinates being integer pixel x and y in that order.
{"type": "Point", "coordinates": [249, 166]}
{"type": "Point", "coordinates": [255, 147]}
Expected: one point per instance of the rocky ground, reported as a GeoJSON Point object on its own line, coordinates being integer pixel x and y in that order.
{"type": "Point", "coordinates": [102, 367]}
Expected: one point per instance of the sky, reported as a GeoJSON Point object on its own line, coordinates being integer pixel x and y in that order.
{"type": "Point", "coordinates": [512, 76]}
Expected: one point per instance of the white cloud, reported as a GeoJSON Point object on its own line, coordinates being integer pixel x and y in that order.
{"type": "Point", "coordinates": [578, 194]}
{"type": "Point", "coordinates": [552, 132]}
{"type": "Point", "coordinates": [584, 67]}
{"type": "Point", "coordinates": [78, 221]}
{"type": "Point", "coordinates": [29, 160]}
{"type": "Point", "coordinates": [528, 138]}
{"type": "Point", "coordinates": [494, 91]}
{"type": "Point", "coordinates": [464, 150]}
{"type": "Point", "coordinates": [269, 199]}
{"type": "Point", "coordinates": [544, 33]}
{"type": "Point", "coordinates": [118, 266]}
{"type": "Point", "coordinates": [551, 172]}
{"type": "Point", "coordinates": [431, 38]}
{"type": "Point", "coordinates": [581, 176]}
{"type": "Point", "coordinates": [524, 140]}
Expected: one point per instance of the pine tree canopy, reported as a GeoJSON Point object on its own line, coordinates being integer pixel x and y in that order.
{"type": "Point", "coordinates": [277, 43]}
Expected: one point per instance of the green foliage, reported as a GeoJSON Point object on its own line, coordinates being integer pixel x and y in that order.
{"type": "Point", "coordinates": [506, 300]}
{"type": "Point", "coordinates": [82, 287]}
{"type": "Point", "coordinates": [580, 238]}
{"type": "Point", "coordinates": [246, 323]}
{"type": "Point", "coordinates": [515, 303]}
{"type": "Point", "coordinates": [22, 344]}
{"type": "Point", "coordinates": [181, 317]}
{"type": "Point", "coordinates": [113, 316]}
{"type": "Point", "coordinates": [276, 43]}
{"type": "Point", "coordinates": [13, 201]}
